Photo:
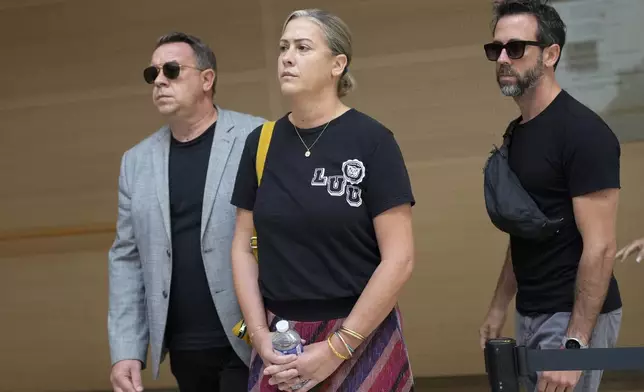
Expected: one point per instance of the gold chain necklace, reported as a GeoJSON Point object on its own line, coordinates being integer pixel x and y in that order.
{"type": "Point", "coordinates": [308, 149]}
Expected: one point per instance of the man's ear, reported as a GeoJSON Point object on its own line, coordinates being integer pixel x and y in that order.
{"type": "Point", "coordinates": [208, 77]}
{"type": "Point", "coordinates": [551, 55]}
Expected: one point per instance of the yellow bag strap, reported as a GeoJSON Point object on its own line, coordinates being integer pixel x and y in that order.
{"type": "Point", "coordinates": [262, 151]}
{"type": "Point", "coordinates": [262, 148]}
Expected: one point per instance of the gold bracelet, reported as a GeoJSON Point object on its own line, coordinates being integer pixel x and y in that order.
{"type": "Point", "coordinates": [352, 333]}
{"type": "Point", "coordinates": [257, 329]}
{"type": "Point", "coordinates": [350, 349]}
{"type": "Point", "coordinates": [337, 354]}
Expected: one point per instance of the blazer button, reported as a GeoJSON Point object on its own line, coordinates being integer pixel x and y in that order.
{"type": "Point", "coordinates": [167, 251]}
{"type": "Point", "coordinates": [165, 294]}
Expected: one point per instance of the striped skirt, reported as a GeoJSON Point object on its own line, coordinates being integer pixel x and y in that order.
{"type": "Point", "coordinates": [380, 364]}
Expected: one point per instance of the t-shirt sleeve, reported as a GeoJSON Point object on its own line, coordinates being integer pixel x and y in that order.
{"type": "Point", "coordinates": [592, 159]}
{"type": "Point", "coordinates": [246, 181]}
{"type": "Point", "coordinates": [387, 181]}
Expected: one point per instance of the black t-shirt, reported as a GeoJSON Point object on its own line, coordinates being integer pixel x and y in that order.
{"type": "Point", "coordinates": [314, 216]}
{"type": "Point", "coordinates": [564, 152]}
{"type": "Point", "coordinates": [193, 322]}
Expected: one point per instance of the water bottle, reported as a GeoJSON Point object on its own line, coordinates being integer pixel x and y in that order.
{"type": "Point", "coordinates": [286, 341]}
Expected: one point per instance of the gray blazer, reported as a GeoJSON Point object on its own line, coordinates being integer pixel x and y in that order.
{"type": "Point", "coordinates": [140, 259]}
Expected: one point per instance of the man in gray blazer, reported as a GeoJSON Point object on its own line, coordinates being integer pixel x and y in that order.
{"type": "Point", "coordinates": [170, 279]}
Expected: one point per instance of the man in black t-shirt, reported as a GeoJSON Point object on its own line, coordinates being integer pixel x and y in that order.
{"type": "Point", "coordinates": [170, 277]}
{"type": "Point", "coordinates": [568, 160]}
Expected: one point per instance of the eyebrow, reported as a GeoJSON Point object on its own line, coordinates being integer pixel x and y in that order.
{"type": "Point", "coordinates": [168, 61]}
{"type": "Point", "coordinates": [496, 41]}
{"type": "Point", "coordinates": [297, 40]}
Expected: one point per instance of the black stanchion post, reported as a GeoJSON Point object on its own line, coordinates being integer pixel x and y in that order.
{"type": "Point", "coordinates": [501, 365]}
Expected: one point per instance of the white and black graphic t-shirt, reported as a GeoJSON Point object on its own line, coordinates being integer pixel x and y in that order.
{"type": "Point", "coordinates": [314, 215]}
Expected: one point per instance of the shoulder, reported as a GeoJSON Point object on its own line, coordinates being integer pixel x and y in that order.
{"type": "Point", "coordinates": [583, 125]}
{"type": "Point", "coordinates": [146, 145]}
{"type": "Point", "coordinates": [367, 124]}
{"type": "Point", "coordinates": [366, 129]}
{"type": "Point", "coordinates": [252, 139]}
{"type": "Point", "coordinates": [254, 134]}
{"type": "Point", "coordinates": [244, 123]}
{"type": "Point", "coordinates": [141, 152]}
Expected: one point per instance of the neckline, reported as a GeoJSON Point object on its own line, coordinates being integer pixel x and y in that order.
{"type": "Point", "coordinates": [318, 128]}
{"type": "Point", "coordinates": [543, 113]}
{"type": "Point", "coordinates": [204, 134]}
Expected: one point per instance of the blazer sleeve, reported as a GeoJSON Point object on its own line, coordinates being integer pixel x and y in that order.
{"type": "Point", "coordinates": [127, 321]}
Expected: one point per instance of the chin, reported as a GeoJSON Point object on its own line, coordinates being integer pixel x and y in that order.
{"type": "Point", "coordinates": [511, 90]}
{"type": "Point", "coordinates": [166, 109]}
{"type": "Point", "coordinates": [289, 89]}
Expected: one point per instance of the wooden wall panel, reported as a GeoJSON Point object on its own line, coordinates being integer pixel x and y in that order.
{"type": "Point", "coordinates": [68, 176]}
{"type": "Point", "coordinates": [78, 45]}
{"type": "Point", "coordinates": [457, 256]}
{"type": "Point", "coordinates": [54, 312]}
{"type": "Point", "coordinates": [382, 27]}
{"type": "Point", "coordinates": [74, 86]}
{"type": "Point", "coordinates": [430, 129]}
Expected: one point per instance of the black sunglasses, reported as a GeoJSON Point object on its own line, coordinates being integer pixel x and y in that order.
{"type": "Point", "coordinates": [170, 69]}
{"type": "Point", "coordinates": [514, 49]}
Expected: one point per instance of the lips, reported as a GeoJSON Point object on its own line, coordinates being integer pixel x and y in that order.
{"type": "Point", "coordinates": [505, 71]}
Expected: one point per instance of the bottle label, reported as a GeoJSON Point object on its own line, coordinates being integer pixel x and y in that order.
{"type": "Point", "coordinates": [297, 350]}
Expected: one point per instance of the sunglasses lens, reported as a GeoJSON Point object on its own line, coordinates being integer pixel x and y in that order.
{"type": "Point", "coordinates": [493, 51]}
{"type": "Point", "coordinates": [150, 74]}
{"type": "Point", "coordinates": [515, 49]}
{"type": "Point", "coordinates": [171, 70]}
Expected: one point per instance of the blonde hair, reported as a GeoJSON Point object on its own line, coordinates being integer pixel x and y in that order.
{"type": "Point", "coordinates": [338, 38]}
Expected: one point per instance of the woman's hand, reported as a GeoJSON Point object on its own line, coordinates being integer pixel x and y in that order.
{"type": "Point", "coordinates": [263, 344]}
{"type": "Point", "coordinates": [316, 363]}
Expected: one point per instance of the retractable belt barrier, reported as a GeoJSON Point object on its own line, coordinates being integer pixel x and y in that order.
{"type": "Point", "coordinates": [505, 362]}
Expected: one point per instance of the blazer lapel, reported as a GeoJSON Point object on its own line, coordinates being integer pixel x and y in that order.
{"type": "Point", "coordinates": [221, 147]}
{"type": "Point", "coordinates": [160, 157]}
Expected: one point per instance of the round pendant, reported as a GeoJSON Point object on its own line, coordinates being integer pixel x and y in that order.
{"type": "Point", "coordinates": [307, 154]}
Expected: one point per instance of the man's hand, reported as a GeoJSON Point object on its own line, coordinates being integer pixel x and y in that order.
{"type": "Point", "coordinates": [558, 381]}
{"type": "Point", "coordinates": [126, 376]}
{"type": "Point", "coordinates": [506, 288]}
{"type": "Point", "coordinates": [635, 246]}
{"type": "Point", "coordinates": [492, 325]}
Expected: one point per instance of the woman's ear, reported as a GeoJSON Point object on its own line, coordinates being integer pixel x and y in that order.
{"type": "Point", "coordinates": [339, 64]}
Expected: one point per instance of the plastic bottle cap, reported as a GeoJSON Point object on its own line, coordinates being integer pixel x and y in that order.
{"type": "Point", "coordinates": [282, 326]}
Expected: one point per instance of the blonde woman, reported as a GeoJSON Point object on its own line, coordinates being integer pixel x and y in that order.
{"type": "Point", "coordinates": [334, 223]}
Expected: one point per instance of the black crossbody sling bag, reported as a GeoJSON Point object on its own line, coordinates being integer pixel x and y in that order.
{"type": "Point", "coordinates": [509, 206]}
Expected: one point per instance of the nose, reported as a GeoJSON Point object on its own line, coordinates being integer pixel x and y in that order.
{"type": "Point", "coordinates": [287, 57]}
{"type": "Point", "coordinates": [503, 57]}
{"type": "Point", "coordinates": [161, 80]}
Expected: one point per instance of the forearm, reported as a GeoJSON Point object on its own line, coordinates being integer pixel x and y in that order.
{"type": "Point", "coordinates": [245, 275]}
{"type": "Point", "coordinates": [128, 328]}
{"type": "Point", "coordinates": [379, 297]}
{"type": "Point", "coordinates": [127, 316]}
{"type": "Point", "coordinates": [506, 286]}
{"type": "Point", "coordinates": [593, 279]}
